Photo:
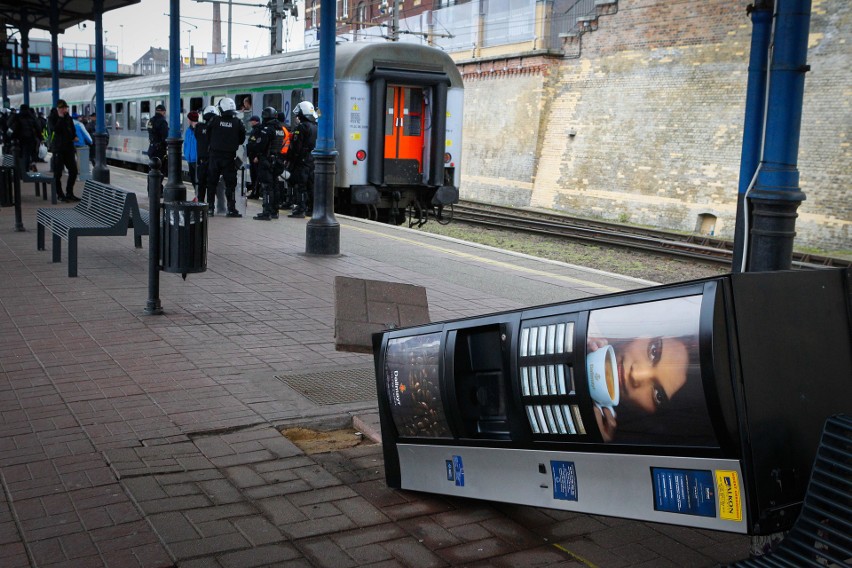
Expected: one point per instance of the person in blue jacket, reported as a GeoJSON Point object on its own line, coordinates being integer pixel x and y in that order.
{"type": "Point", "coordinates": [190, 148]}
{"type": "Point", "coordinates": [83, 137]}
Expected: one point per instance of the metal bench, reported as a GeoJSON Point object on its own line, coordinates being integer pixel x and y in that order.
{"type": "Point", "coordinates": [140, 222]}
{"type": "Point", "coordinates": [103, 210]}
{"type": "Point", "coordinates": [822, 534]}
{"type": "Point", "coordinates": [41, 181]}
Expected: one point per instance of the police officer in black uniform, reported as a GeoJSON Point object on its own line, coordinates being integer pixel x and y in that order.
{"type": "Point", "coordinates": [158, 131]}
{"type": "Point", "coordinates": [301, 161]}
{"type": "Point", "coordinates": [203, 163]}
{"type": "Point", "coordinates": [226, 134]}
{"type": "Point", "coordinates": [253, 158]}
{"type": "Point", "coordinates": [266, 148]}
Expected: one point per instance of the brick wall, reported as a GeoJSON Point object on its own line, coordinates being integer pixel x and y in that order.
{"type": "Point", "coordinates": [655, 103]}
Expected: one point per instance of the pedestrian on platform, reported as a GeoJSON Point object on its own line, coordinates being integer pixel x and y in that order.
{"type": "Point", "coordinates": [190, 148]}
{"type": "Point", "coordinates": [158, 132]}
{"type": "Point", "coordinates": [300, 158]}
{"type": "Point", "coordinates": [63, 136]}
{"type": "Point", "coordinates": [226, 134]}
{"type": "Point", "coordinates": [203, 158]}
{"type": "Point", "coordinates": [254, 134]}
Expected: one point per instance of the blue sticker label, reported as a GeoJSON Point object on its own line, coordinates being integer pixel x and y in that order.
{"type": "Point", "coordinates": [458, 470]}
{"type": "Point", "coordinates": [684, 491]}
{"type": "Point", "coordinates": [450, 473]}
{"type": "Point", "coordinates": [564, 480]}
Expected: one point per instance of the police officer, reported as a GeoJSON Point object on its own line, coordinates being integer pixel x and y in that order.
{"type": "Point", "coordinates": [266, 148]}
{"type": "Point", "coordinates": [254, 134]}
{"type": "Point", "coordinates": [226, 134]}
{"type": "Point", "coordinates": [158, 131]}
{"type": "Point", "coordinates": [203, 157]}
{"type": "Point", "coordinates": [301, 161]}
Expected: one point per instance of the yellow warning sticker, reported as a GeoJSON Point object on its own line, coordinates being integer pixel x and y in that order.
{"type": "Point", "coordinates": [448, 143]}
{"type": "Point", "coordinates": [730, 504]}
{"type": "Point", "coordinates": [355, 108]}
{"type": "Point", "coordinates": [355, 136]}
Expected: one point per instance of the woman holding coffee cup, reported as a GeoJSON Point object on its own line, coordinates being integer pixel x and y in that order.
{"type": "Point", "coordinates": [658, 397]}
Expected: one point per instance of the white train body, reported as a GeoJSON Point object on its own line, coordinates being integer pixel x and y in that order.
{"type": "Point", "coordinates": [398, 116]}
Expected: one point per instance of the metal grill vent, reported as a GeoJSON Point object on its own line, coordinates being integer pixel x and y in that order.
{"type": "Point", "coordinates": [334, 386]}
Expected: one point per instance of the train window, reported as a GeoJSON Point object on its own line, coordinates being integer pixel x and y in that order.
{"type": "Point", "coordinates": [296, 97]}
{"type": "Point", "coordinates": [412, 113]}
{"type": "Point", "coordinates": [144, 114]}
{"type": "Point", "coordinates": [273, 100]}
{"type": "Point", "coordinates": [390, 100]}
{"type": "Point", "coordinates": [119, 116]}
{"type": "Point", "coordinates": [108, 115]}
{"type": "Point", "coordinates": [196, 104]}
{"type": "Point", "coordinates": [244, 109]}
{"type": "Point", "coordinates": [132, 108]}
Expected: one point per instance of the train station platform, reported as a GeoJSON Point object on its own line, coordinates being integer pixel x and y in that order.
{"type": "Point", "coordinates": [132, 440]}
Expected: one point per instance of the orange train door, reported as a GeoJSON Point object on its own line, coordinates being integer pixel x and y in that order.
{"type": "Point", "coordinates": [404, 132]}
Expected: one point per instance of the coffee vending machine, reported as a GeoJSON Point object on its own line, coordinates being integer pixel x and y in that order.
{"type": "Point", "coordinates": [698, 404]}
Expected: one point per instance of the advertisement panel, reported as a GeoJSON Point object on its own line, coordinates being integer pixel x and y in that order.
{"type": "Point", "coordinates": [644, 374]}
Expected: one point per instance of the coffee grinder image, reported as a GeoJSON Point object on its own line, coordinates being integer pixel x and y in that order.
{"type": "Point", "coordinates": [697, 404]}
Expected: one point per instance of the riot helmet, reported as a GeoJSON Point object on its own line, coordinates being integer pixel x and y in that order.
{"type": "Point", "coordinates": [305, 109]}
{"type": "Point", "coordinates": [268, 114]}
{"type": "Point", "coordinates": [209, 112]}
{"type": "Point", "coordinates": [227, 106]}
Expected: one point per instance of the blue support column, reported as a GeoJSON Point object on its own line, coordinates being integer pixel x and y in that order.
{"type": "Point", "coordinates": [100, 172]}
{"type": "Point", "coordinates": [776, 195]}
{"type": "Point", "coordinates": [323, 230]}
{"type": "Point", "coordinates": [174, 190]}
{"type": "Point", "coordinates": [25, 58]}
{"type": "Point", "coordinates": [54, 50]}
{"type": "Point", "coordinates": [755, 115]}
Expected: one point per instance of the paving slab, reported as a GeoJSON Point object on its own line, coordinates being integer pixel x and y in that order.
{"type": "Point", "coordinates": [132, 440]}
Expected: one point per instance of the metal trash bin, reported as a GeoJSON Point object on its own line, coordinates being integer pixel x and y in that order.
{"type": "Point", "coordinates": [183, 237]}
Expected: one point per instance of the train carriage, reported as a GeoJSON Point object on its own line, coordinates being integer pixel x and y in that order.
{"type": "Point", "coordinates": [398, 118]}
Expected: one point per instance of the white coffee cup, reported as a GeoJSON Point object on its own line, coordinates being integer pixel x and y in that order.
{"type": "Point", "coordinates": [602, 370]}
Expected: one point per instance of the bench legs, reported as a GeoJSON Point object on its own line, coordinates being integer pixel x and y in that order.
{"type": "Point", "coordinates": [72, 256]}
{"type": "Point", "coordinates": [57, 248]}
{"type": "Point", "coordinates": [137, 240]}
{"type": "Point", "coordinates": [40, 237]}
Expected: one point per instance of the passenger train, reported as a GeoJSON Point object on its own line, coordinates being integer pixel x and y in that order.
{"type": "Point", "coordinates": [398, 118]}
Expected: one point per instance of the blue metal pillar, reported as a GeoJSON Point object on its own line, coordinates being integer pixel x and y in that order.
{"type": "Point", "coordinates": [755, 116]}
{"type": "Point", "coordinates": [174, 190]}
{"type": "Point", "coordinates": [100, 172]}
{"type": "Point", "coordinates": [323, 230]}
{"type": "Point", "coordinates": [54, 50]}
{"type": "Point", "coordinates": [776, 195]}
{"type": "Point", "coordinates": [25, 59]}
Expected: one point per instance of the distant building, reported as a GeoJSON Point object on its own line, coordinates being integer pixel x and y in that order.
{"type": "Point", "coordinates": [154, 61]}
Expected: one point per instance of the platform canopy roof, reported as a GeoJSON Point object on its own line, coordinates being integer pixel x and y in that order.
{"type": "Point", "coordinates": [36, 13]}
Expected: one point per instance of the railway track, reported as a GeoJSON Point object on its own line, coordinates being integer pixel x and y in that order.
{"type": "Point", "coordinates": [696, 247]}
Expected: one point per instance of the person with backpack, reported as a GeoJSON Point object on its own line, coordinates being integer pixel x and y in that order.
{"type": "Point", "coordinates": [26, 131]}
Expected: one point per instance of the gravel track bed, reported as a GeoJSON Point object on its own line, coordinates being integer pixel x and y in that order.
{"type": "Point", "coordinates": [657, 268]}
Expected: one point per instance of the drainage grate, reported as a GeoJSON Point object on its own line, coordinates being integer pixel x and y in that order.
{"type": "Point", "coordinates": [334, 386]}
